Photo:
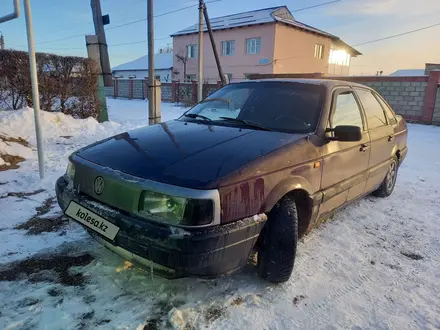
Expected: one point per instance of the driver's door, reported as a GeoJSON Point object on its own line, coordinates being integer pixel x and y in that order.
{"type": "Point", "coordinates": [345, 164]}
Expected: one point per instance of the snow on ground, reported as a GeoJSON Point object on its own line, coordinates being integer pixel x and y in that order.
{"type": "Point", "coordinates": [375, 265]}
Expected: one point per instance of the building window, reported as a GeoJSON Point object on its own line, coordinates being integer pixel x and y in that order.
{"type": "Point", "coordinates": [191, 51]}
{"type": "Point", "coordinates": [319, 51]}
{"type": "Point", "coordinates": [190, 77]}
{"type": "Point", "coordinates": [253, 45]}
{"type": "Point", "coordinates": [339, 57]}
{"type": "Point", "coordinates": [228, 47]}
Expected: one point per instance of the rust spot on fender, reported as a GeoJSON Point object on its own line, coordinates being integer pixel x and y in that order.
{"type": "Point", "coordinates": [242, 200]}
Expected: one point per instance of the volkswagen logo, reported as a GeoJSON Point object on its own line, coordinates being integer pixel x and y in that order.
{"type": "Point", "coordinates": [98, 185]}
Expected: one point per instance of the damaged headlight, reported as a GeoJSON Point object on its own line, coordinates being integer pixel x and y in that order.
{"type": "Point", "coordinates": [70, 171]}
{"type": "Point", "coordinates": [176, 210]}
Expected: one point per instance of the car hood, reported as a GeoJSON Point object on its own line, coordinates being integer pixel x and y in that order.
{"type": "Point", "coordinates": [182, 153]}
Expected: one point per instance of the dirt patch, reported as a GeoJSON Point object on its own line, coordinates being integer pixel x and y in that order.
{"type": "Point", "coordinates": [66, 136]}
{"type": "Point", "coordinates": [54, 292]}
{"type": "Point", "coordinates": [152, 324]}
{"type": "Point", "coordinates": [22, 194]}
{"type": "Point", "coordinates": [26, 302]}
{"type": "Point", "coordinates": [412, 255]}
{"type": "Point", "coordinates": [85, 320]}
{"type": "Point", "coordinates": [237, 301]}
{"type": "Point", "coordinates": [214, 312]}
{"type": "Point", "coordinates": [11, 162]}
{"type": "Point", "coordinates": [298, 299]}
{"type": "Point", "coordinates": [37, 225]}
{"type": "Point", "coordinates": [18, 140]}
{"type": "Point", "coordinates": [3, 183]}
{"type": "Point", "coordinates": [47, 268]}
{"type": "Point", "coordinates": [45, 207]}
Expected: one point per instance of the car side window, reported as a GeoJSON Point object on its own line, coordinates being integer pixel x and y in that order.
{"type": "Point", "coordinates": [388, 111]}
{"type": "Point", "coordinates": [373, 110]}
{"type": "Point", "coordinates": [346, 111]}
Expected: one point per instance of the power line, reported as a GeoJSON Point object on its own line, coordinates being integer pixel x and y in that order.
{"type": "Point", "coordinates": [158, 15]}
{"type": "Point", "coordinates": [315, 6]}
{"type": "Point", "coordinates": [397, 35]}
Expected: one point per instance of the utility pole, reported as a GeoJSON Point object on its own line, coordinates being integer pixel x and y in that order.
{"type": "Point", "coordinates": [34, 81]}
{"type": "Point", "coordinates": [214, 48]}
{"type": "Point", "coordinates": [200, 58]}
{"type": "Point", "coordinates": [103, 50]}
{"type": "Point", "coordinates": [2, 41]}
{"type": "Point", "coordinates": [154, 98]}
{"type": "Point", "coordinates": [100, 57]}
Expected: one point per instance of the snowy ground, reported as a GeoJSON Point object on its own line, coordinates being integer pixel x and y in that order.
{"type": "Point", "coordinates": [375, 265]}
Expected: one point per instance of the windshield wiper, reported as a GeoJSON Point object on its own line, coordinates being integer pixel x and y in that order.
{"type": "Point", "coordinates": [247, 123]}
{"type": "Point", "coordinates": [196, 115]}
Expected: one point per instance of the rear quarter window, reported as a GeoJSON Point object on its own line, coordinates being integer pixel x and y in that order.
{"type": "Point", "coordinates": [373, 110]}
{"type": "Point", "coordinates": [388, 111]}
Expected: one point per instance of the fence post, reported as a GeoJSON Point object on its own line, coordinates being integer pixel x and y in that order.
{"type": "Point", "coordinates": [194, 91]}
{"type": "Point", "coordinates": [130, 88]}
{"type": "Point", "coordinates": [430, 96]}
{"type": "Point", "coordinates": [174, 91]}
{"type": "Point", "coordinates": [115, 88]}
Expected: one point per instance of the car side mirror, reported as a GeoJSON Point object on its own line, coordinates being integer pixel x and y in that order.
{"type": "Point", "coordinates": [346, 133]}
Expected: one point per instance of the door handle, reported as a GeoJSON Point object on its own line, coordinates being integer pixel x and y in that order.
{"type": "Point", "coordinates": [390, 138]}
{"type": "Point", "coordinates": [364, 147]}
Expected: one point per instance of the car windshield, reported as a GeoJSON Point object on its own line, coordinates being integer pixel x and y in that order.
{"type": "Point", "coordinates": [272, 106]}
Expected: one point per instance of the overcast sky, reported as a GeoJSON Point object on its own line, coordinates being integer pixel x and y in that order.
{"type": "Point", "coordinates": [354, 21]}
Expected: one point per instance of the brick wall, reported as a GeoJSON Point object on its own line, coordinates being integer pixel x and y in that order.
{"type": "Point", "coordinates": [138, 89]}
{"type": "Point", "coordinates": [123, 88]}
{"type": "Point", "coordinates": [436, 116]}
{"type": "Point", "coordinates": [167, 92]}
{"type": "Point", "coordinates": [405, 97]}
{"type": "Point", "coordinates": [109, 91]}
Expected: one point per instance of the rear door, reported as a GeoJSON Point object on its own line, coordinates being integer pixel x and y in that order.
{"type": "Point", "coordinates": [345, 164]}
{"type": "Point", "coordinates": [381, 136]}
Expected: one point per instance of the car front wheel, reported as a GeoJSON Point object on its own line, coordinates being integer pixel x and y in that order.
{"type": "Point", "coordinates": [278, 241]}
{"type": "Point", "coordinates": [387, 186]}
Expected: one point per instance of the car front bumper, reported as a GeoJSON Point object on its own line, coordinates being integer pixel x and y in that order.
{"type": "Point", "coordinates": [171, 251]}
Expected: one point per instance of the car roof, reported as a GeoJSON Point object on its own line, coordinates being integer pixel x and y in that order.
{"type": "Point", "coordinates": [329, 83]}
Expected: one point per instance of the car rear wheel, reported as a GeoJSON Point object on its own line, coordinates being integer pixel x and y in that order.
{"type": "Point", "coordinates": [277, 249]}
{"type": "Point", "coordinates": [387, 186]}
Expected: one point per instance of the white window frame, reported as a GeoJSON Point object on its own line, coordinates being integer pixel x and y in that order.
{"type": "Point", "coordinates": [228, 47]}
{"type": "Point", "coordinates": [253, 45]}
{"type": "Point", "coordinates": [319, 51]}
{"type": "Point", "coordinates": [191, 51]}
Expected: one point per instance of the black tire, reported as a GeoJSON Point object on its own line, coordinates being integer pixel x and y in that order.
{"type": "Point", "coordinates": [387, 186]}
{"type": "Point", "coordinates": [276, 255]}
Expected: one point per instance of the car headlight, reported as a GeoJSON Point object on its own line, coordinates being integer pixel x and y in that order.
{"type": "Point", "coordinates": [70, 171]}
{"type": "Point", "coordinates": [176, 210]}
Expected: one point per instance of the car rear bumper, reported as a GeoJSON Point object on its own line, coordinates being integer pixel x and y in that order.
{"type": "Point", "coordinates": [403, 154]}
{"type": "Point", "coordinates": [171, 251]}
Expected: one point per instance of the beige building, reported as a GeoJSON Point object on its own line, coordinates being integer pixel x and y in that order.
{"type": "Point", "coordinates": [262, 41]}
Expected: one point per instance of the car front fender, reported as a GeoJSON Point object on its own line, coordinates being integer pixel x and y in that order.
{"type": "Point", "coordinates": [288, 185]}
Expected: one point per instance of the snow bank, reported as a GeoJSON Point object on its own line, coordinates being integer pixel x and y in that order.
{"type": "Point", "coordinates": [20, 123]}
{"type": "Point", "coordinates": [62, 135]}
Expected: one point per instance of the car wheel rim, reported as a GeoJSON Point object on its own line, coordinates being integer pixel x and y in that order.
{"type": "Point", "coordinates": [391, 176]}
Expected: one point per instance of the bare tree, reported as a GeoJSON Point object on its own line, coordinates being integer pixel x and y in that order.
{"type": "Point", "coordinates": [183, 59]}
